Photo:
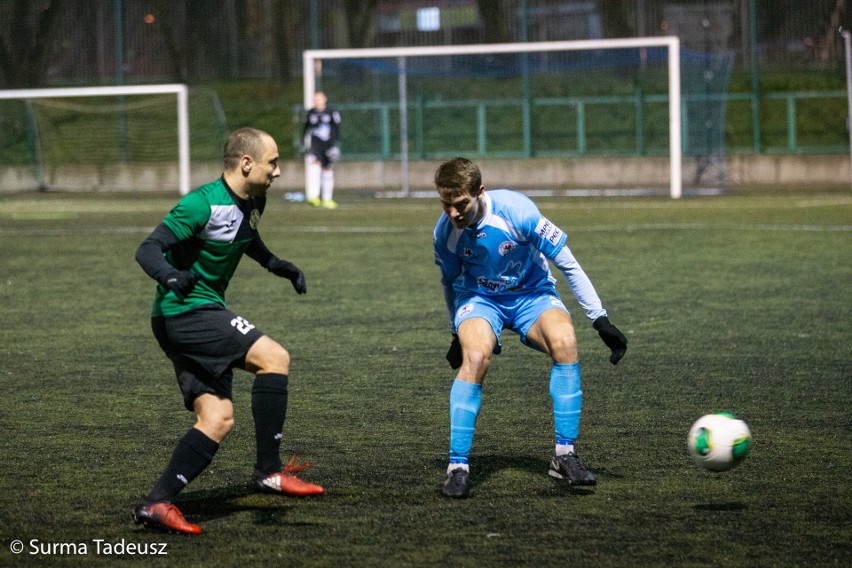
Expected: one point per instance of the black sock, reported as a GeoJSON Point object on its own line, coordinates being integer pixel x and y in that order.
{"type": "Point", "coordinates": [193, 453]}
{"type": "Point", "coordinates": [269, 408]}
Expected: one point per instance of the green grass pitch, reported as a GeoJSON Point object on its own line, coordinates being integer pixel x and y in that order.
{"type": "Point", "coordinates": [739, 303]}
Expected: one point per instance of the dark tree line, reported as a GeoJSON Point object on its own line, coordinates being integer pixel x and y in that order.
{"type": "Point", "coordinates": [26, 41]}
{"type": "Point", "coordinates": [225, 34]}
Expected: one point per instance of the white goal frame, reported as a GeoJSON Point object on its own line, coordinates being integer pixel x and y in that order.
{"type": "Point", "coordinates": [180, 90]}
{"type": "Point", "coordinates": [311, 59]}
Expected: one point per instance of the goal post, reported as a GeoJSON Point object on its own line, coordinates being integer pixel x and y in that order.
{"type": "Point", "coordinates": [312, 61]}
{"type": "Point", "coordinates": [182, 126]}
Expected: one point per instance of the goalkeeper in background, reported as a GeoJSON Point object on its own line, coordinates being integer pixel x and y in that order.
{"type": "Point", "coordinates": [322, 147]}
{"type": "Point", "coordinates": [493, 249]}
{"type": "Point", "coordinates": [192, 255]}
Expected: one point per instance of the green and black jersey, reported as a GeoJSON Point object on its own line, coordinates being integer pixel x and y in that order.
{"type": "Point", "coordinates": [214, 228]}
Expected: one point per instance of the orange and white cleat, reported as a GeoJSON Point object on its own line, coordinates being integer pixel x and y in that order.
{"type": "Point", "coordinates": [164, 517]}
{"type": "Point", "coordinates": [285, 482]}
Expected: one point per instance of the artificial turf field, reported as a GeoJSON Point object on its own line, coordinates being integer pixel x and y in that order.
{"type": "Point", "coordinates": [739, 303]}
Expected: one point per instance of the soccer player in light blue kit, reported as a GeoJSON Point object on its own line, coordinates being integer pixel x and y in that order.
{"type": "Point", "coordinates": [493, 250]}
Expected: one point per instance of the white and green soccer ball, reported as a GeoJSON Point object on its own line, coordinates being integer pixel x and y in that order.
{"type": "Point", "coordinates": [719, 441]}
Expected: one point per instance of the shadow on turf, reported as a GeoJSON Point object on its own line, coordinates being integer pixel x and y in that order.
{"type": "Point", "coordinates": [207, 505]}
{"type": "Point", "coordinates": [484, 467]}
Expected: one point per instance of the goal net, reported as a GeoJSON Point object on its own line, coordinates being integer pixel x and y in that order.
{"type": "Point", "coordinates": [553, 115]}
{"type": "Point", "coordinates": [98, 138]}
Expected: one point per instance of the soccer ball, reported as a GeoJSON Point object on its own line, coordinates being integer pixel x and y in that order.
{"type": "Point", "coordinates": [718, 441]}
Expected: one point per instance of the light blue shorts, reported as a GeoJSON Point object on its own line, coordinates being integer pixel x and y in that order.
{"type": "Point", "coordinates": [517, 313]}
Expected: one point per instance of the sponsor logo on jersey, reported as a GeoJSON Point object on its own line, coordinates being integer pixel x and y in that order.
{"type": "Point", "coordinates": [480, 235]}
{"type": "Point", "coordinates": [254, 218]}
{"type": "Point", "coordinates": [491, 285]}
{"type": "Point", "coordinates": [548, 231]}
{"type": "Point", "coordinates": [464, 310]}
{"type": "Point", "coordinates": [506, 247]}
{"type": "Point", "coordinates": [512, 274]}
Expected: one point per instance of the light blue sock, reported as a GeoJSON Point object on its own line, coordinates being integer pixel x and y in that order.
{"type": "Point", "coordinates": [465, 399]}
{"type": "Point", "coordinates": [567, 401]}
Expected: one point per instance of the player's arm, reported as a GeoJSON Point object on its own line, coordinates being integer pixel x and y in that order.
{"type": "Point", "coordinates": [258, 252]}
{"type": "Point", "coordinates": [306, 126]}
{"type": "Point", "coordinates": [454, 353]}
{"type": "Point", "coordinates": [580, 284]}
{"type": "Point", "coordinates": [550, 240]}
{"type": "Point", "coordinates": [335, 127]}
{"type": "Point", "coordinates": [587, 297]}
{"type": "Point", "coordinates": [450, 268]}
{"type": "Point", "coordinates": [306, 134]}
{"type": "Point", "coordinates": [150, 257]}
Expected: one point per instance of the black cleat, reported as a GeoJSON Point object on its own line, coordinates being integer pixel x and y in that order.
{"type": "Point", "coordinates": [456, 485]}
{"type": "Point", "coordinates": [568, 467]}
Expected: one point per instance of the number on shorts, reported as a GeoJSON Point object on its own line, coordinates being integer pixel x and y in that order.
{"type": "Point", "coordinates": [242, 325]}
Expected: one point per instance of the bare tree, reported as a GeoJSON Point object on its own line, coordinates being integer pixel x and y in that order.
{"type": "Point", "coordinates": [360, 20]}
{"type": "Point", "coordinates": [26, 41]}
{"type": "Point", "coordinates": [828, 48]}
{"type": "Point", "coordinates": [288, 18]}
{"type": "Point", "coordinates": [172, 25]}
{"type": "Point", "coordinates": [614, 19]}
{"type": "Point", "coordinates": [495, 23]}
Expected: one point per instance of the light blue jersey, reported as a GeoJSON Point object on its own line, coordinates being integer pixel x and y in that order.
{"type": "Point", "coordinates": [499, 271]}
{"type": "Point", "coordinates": [506, 255]}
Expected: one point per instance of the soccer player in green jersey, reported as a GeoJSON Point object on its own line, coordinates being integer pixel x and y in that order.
{"type": "Point", "coordinates": [192, 255]}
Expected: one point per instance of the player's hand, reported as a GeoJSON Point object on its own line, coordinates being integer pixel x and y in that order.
{"type": "Point", "coordinates": [290, 271]}
{"type": "Point", "coordinates": [454, 354]}
{"type": "Point", "coordinates": [333, 154]}
{"type": "Point", "coordinates": [613, 338]}
{"type": "Point", "coordinates": [181, 283]}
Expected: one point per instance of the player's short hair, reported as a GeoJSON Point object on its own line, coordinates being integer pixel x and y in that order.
{"type": "Point", "coordinates": [458, 175]}
{"type": "Point", "coordinates": [243, 142]}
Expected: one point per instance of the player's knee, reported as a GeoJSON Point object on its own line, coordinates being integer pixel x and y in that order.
{"type": "Point", "coordinates": [478, 360]}
{"type": "Point", "coordinates": [226, 425]}
{"type": "Point", "coordinates": [563, 348]}
{"type": "Point", "coordinates": [216, 424]}
{"type": "Point", "coordinates": [280, 357]}
{"type": "Point", "coordinates": [268, 356]}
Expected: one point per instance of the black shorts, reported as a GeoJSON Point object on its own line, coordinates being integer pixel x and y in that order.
{"type": "Point", "coordinates": [319, 149]}
{"type": "Point", "coordinates": [205, 345]}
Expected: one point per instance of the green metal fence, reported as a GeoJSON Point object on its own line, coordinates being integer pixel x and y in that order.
{"type": "Point", "coordinates": [811, 122]}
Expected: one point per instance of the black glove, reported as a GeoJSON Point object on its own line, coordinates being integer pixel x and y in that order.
{"type": "Point", "coordinates": [454, 354]}
{"type": "Point", "coordinates": [289, 271]}
{"type": "Point", "coordinates": [613, 338]}
{"type": "Point", "coordinates": [181, 282]}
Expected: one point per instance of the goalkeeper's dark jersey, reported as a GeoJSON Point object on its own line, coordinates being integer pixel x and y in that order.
{"type": "Point", "coordinates": [215, 227]}
{"type": "Point", "coordinates": [323, 124]}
